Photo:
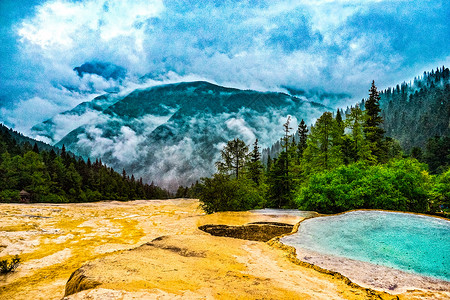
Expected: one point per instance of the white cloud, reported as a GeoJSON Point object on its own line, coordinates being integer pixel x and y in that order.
{"type": "Point", "coordinates": [240, 127]}
{"type": "Point", "coordinates": [30, 111]}
{"type": "Point", "coordinates": [62, 23]}
{"type": "Point", "coordinates": [336, 45]}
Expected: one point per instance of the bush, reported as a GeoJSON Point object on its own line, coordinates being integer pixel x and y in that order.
{"type": "Point", "coordinates": [220, 193]}
{"type": "Point", "coordinates": [53, 198]}
{"type": "Point", "coordinates": [399, 185]}
{"type": "Point", "coordinates": [9, 196]}
{"type": "Point", "coordinates": [441, 191]}
{"type": "Point", "coordinates": [9, 266]}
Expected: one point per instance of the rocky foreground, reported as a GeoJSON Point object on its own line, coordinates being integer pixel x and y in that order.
{"type": "Point", "coordinates": [155, 250]}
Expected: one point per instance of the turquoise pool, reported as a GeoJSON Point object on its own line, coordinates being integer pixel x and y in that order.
{"type": "Point", "coordinates": [412, 243]}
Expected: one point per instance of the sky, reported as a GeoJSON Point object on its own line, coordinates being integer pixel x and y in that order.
{"type": "Point", "coordinates": [336, 46]}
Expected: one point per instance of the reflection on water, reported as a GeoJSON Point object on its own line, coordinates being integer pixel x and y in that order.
{"type": "Point", "coordinates": [412, 243]}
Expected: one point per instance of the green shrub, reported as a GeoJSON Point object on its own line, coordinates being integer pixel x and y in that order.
{"type": "Point", "coordinates": [399, 185]}
{"type": "Point", "coordinates": [53, 198]}
{"type": "Point", "coordinates": [7, 266]}
{"type": "Point", "coordinates": [221, 193]}
{"type": "Point", "coordinates": [9, 196]}
{"type": "Point", "coordinates": [441, 191]}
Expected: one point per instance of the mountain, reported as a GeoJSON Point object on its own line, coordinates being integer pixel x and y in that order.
{"type": "Point", "coordinates": [173, 134]}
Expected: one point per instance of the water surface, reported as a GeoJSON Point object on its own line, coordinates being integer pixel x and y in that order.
{"type": "Point", "coordinates": [412, 243]}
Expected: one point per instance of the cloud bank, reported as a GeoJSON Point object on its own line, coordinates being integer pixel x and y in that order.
{"type": "Point", "coordinates": [338, 46]}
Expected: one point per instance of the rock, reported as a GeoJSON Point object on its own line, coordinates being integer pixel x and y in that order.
{"type": "Point", "coordinates": [78, 282]}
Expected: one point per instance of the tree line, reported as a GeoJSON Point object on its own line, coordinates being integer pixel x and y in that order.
{"type": "Point", "coordinates": [344, 161]}
{"type": "Point", "coordinates": [54, 175]}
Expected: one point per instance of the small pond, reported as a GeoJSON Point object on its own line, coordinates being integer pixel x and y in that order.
{"type": "Point", "coordinates": [408, 242]}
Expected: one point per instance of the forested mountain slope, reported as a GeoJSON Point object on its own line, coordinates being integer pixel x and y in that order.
{"type": "Point", "coordinates": [417, 111]}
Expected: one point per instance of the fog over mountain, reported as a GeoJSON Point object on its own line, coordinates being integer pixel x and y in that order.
{"type": "Point", "coordinates": [172, 134]}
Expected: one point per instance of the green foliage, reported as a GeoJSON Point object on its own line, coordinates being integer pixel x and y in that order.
{"type": "Point", "coordinates": [441, 192]}
{"type": "Point", "coordinates": [437, 154]}
{"type": "Point", "coordinates": [182, 192]}
{"type": "Point", "coordinates": [254, 165]}
{"type": "Point", "coordinates": [279, 193]}
{"type": "Point", "coordinates": [344, 163]}
{"type": "Point", "coordinates": [355, 147]}
{"type": "Point", "coordinates": [302, 135]}
{"type": "Point", "coordinates": [323, 150]}
{"type": "Point", "coordinates": [9, 195]}
{"type": "Point", "coordinates": [222, 193]}
{"type": "Point", "coordinates": [399, 185]}
{"type": "Point", "coordinates": [7, 266]}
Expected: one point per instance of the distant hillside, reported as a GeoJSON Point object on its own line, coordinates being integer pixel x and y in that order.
{"type": "Point", "coordinates": [174, 133]}
{"type": "Point", "coordinates": [20, 139]}
{"type": "Point", "coordinates": [417, 111]}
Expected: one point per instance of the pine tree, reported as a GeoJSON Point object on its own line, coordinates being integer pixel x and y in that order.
{"type": "Point", "coordinates": [302, 135]}
{"type": "Point", "coordinates": [372, 127]}
{"type": "Point", "coordinates": [355, 146]}
{"type": "Point", "coordinates": [234, 157]}
{"type": "Point", "coordinates": [269, 163]}
{"type": "Point", "coordinates": [321, 152]}
{"type": "Point", "coordinates": [286, 157]}
{"type": "Point", "coordinates": [287, 136]}
{"type": "Point", "coordinates": [255, 167]}
{"type": "Point", "coordinates": [36, 148]}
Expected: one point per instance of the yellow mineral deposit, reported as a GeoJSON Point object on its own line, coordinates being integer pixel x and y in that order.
{"type": "Point", "coordinates": [154, 249]}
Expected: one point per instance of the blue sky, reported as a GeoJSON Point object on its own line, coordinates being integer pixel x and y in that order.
{"type": "Point", "coordinates": [338, 46]}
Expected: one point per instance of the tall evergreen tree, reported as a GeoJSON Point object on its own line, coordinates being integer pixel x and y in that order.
{"type": "Point", "coordinates": [255, 167]}
{"type": "Point", "coordinates": [36, 148]}
{"type": "Point", "coordinates": [287, 135]}
{"type": "Point", "coordinates": [372, 127]}
{"type": "Point", "coordinates": [278, 193]}
{"type": "Point", "coordinates": [356, 146]}
{"type": "Point", "coordinates": [321, 152]}
{"type": "Point", "coordinates": [234, 157]}
{"type": "Point", "coordinates": [286, 157]}
{"type": "Point", "coordinates": [269, 163]}
{"type": "Point", "coordinates": [302, 135]}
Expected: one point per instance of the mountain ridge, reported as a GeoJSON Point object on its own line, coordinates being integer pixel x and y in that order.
{"type": "Point", "coordinates": [176, 131]}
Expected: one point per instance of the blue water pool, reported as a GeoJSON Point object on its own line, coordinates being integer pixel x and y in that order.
{"type": "Point", "coordinates": [412, 243]}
